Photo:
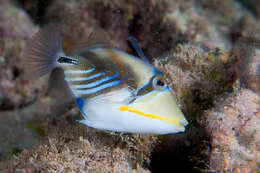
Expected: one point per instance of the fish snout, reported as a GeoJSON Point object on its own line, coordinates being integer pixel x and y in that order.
{"type": "Point", "coordinates": [162, 107]}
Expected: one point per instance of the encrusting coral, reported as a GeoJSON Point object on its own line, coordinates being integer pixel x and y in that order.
{"type": "Point", "coordinates": [235, 129]}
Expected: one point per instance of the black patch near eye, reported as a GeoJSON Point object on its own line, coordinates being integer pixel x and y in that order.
{"type": "Point", "coordinates": [67, 60]}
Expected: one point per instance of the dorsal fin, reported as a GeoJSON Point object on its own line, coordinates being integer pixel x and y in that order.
{"type": "Point", "coordinates": [134, 45]}
{"type": "Point", "coordinates": [95, 37]}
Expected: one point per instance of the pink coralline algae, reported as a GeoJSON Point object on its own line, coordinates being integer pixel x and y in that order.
{"type": "Point", "coordinates": [235, 134]}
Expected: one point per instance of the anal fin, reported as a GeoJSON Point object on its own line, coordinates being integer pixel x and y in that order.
{"type": "Point", "coordinates": [58, 88]}
{"type": "Point", "coordinates": [86, 122]}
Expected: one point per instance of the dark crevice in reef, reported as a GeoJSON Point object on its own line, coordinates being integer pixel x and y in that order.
{"type": "Point", "coordinates": [6, 104]}
{"type": "Point", "coordinates": [35, 8]}
{"type": "Point", "coordinates": [251, 5]}
{"type": "Point", "coordinates": [181, 152]}
{"type": "Point", "coordinates": [189, 151]}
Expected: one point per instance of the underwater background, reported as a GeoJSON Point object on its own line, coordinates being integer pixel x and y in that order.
{"type": "Point", "coordinates": [210, 52]}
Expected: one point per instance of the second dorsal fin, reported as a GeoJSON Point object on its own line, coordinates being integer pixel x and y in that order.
{"type": "Point", "coordinates": [134, 45]}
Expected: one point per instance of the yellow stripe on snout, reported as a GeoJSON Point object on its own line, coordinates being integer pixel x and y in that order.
{"type": "Point", "coordinates": [174, 121]}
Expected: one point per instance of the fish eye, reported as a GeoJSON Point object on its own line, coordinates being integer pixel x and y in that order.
{"type": "Point", "coordinates": [159, 83]}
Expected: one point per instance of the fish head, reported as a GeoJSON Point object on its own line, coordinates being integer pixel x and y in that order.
{"type": "Point", "coordinates": [154, 101]}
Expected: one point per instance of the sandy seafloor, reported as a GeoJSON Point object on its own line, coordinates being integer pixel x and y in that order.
{"type": "Point", "coordinates": [209, 51]}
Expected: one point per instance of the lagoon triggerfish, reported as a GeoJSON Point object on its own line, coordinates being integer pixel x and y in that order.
{"type": "Point", "coordinates": [114, 90]}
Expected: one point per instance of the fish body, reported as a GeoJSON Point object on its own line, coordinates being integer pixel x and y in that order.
{"type": "Point", "coordinates": [113, 89]}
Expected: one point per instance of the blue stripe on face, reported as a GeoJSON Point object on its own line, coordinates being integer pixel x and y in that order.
{"type": "Point", "coordinates": [154, 71]}
{"type": "Point", "coordinates": [94, 84]}
{"type": "Point", "coordinates": [148, 83]}
{"type": "Point", "coordinates": [80, 71]}
{"type": "Point", "coordinates": [73, 79]}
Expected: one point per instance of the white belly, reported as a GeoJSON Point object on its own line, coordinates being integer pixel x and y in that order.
{"type": "Point", "coordinates": [104, 113]}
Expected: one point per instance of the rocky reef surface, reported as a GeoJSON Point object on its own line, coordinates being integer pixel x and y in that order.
{"type": "Point", "coordinates": [209, 51]}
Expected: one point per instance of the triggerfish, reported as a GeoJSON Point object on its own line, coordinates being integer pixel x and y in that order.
{"type": "Point", "coordinates": [114, 90]}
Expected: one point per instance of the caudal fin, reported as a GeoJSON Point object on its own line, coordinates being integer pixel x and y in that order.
{"type": "Point", "coordinates": [42, 52]}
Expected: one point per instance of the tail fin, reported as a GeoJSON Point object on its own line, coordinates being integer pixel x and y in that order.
{"type": "Point", "coordinates": [42, 52]}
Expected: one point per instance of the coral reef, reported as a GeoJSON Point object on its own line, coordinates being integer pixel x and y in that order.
{"type": "Point", "coordinates": [15, 92]}
{"type": "Point", "coordinates": [141, 19]}
{"type": "Point", "coordinates": [234, 127]}
{"type": "Point", "coordinates": [74, 148]}
{"type": "Point", "coordinates": [15, 27]}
